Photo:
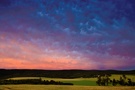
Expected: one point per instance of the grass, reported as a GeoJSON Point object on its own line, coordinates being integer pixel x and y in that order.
{"type": "Point", "coordinates": [58, 87]}
{"type": "Point", "coordinates": [79, 84]}
{"type": "Point", "coordinates": [77, 81]}
{"type": "Point", "coordinates": [83, 83]}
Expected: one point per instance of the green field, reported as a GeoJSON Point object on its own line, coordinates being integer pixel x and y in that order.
{"type": "Point", "coordinates": [58, 87]}
{"type": "Point", "coordinates": [77, 81]}
{"type": "Point", "coordinates": [79, 84]}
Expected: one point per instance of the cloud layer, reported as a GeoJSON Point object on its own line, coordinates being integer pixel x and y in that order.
{"type": "Point", "coordinates": [67, 34]}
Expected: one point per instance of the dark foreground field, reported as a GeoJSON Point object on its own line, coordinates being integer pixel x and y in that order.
{"type": "Point", "coordinates": [58, 87]}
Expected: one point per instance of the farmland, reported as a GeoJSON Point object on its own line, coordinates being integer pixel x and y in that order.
{"type": "Point", "coordinates": [76, 81]}
{"type": "Point", "coordinates": [82, 83]}
{"type": "Point", "coordinates": [54, 87]}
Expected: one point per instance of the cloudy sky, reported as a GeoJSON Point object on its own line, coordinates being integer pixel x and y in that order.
{"type": "Point", "coordinates": [67, 34]}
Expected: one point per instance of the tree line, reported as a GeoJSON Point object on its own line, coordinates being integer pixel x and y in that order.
{"type": "Point", "coordinates": [33, 81]}
{"type": "Point", "coordinates": [5, 73]}
{"type": "Point", "coordinates": [104, 80]}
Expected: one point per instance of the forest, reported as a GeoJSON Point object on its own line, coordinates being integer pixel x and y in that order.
{"type": "Point", "coordinates": [69, 74]}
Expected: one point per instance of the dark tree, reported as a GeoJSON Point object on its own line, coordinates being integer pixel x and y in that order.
{"type": "Point", "coordinates": [98, 80]}
{"type": "Point", "coordinates": [114, 82]}
{"type": "Point", "coordinates": [107, 79]}
{"type": "Point", "coordinates": [129, 82]}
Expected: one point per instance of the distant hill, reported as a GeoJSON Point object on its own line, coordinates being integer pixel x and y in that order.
{"type": "Point", "coordinates": [8, 73]}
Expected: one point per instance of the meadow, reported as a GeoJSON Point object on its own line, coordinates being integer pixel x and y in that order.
{"type": "Point", "coordinates": [79, 84]}
{"type": "Point", "coordinates": [58, 87]}
{"type": "Point", "coordinates": [77, 81]}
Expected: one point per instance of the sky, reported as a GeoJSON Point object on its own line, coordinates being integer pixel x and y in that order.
{"type": "Point", "coordinates": [67, 34]}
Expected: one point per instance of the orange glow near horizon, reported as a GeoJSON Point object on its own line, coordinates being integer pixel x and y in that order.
{"type": "Point", "coordinates": [29, 56]}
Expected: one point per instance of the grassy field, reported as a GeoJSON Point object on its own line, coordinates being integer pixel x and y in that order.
{"type": "Point", "coordinates": [58, 87]}
{"type": "Point", "coordinates": [79, 84]}
{"type": "Point", "coordinates": [77, 81]}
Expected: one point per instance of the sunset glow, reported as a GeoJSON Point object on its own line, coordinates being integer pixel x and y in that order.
{"type": "Point", "coordinates": [67, 34]}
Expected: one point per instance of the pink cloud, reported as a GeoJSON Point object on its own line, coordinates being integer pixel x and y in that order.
{"type": "Point", "coordinates": [14, 54]}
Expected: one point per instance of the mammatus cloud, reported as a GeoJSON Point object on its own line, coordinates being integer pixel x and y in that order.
{"type": "Point", "coordinates": [66, 34]}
